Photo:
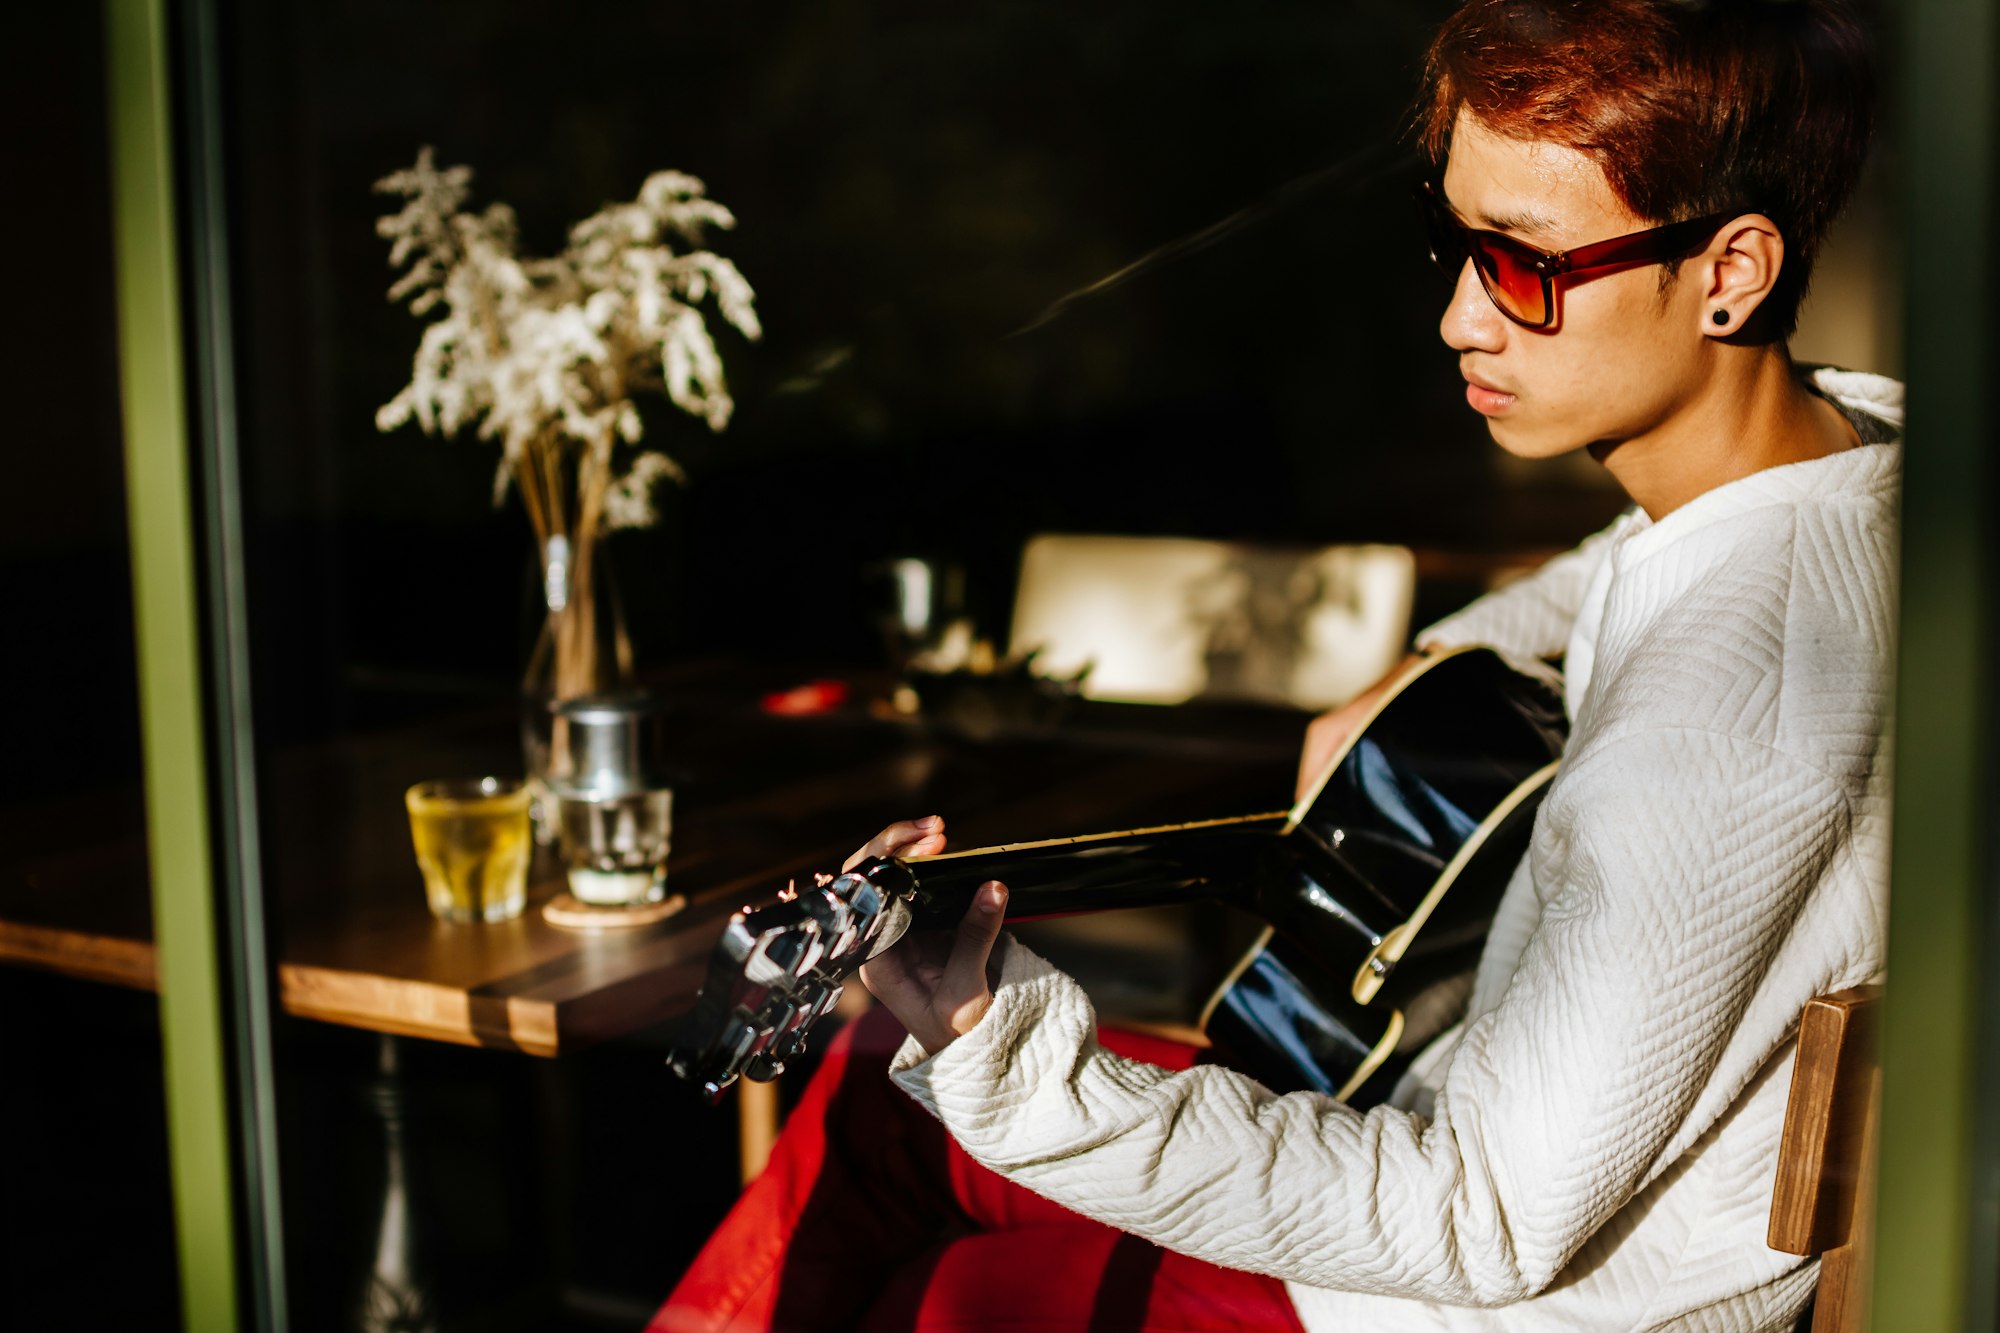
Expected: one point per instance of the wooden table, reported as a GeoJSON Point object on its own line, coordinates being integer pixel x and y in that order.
{"type": "Point", "coordinates": [760, 798]}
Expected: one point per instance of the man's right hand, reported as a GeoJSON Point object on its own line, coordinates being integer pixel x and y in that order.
{"type": "Point", "coordinates": [1327, 733]}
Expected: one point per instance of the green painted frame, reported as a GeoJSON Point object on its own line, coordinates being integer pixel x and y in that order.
{"type": "Point", "coordinates": [152, 376]}
{"type": "Point", "coordinates": [1937, 1242]}
{"type": "Point", "coordinates": [185, 524]}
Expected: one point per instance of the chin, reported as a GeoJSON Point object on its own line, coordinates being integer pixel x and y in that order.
{"type": "Point", "coordinates": [1525, 442]}
{"type": "Point", "coordinates": [1518, 442]}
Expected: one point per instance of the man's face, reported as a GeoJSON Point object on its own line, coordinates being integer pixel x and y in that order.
{"type": "Point", "coordinates": [1622, 357]}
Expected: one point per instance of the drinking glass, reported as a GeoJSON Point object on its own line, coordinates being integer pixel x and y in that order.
{"type": "Point", "coordinates": [473, 845]}
{"type": "Point", "coordinates": [615, 844]}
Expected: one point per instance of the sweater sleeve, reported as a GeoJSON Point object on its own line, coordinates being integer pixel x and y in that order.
{"type": "Point", "coordinates": [1530, 617]}
{"type": "Point", "coordinates": [1685, 856]}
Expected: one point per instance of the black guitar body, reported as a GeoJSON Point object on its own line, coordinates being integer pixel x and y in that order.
{"type": "Point", "coordinates": [1393, 872]}
{"type": "Point", "coordinates": [1378, 889]}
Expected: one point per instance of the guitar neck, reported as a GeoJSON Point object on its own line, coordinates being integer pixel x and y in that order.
{"type": "Point", "coordinates": [1435, 792]}
{"type": "Point", "coordinates": [1171, 863]}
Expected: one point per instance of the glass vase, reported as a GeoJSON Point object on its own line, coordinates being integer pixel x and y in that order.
{"type": "Point", "coordinates": [582, 648]}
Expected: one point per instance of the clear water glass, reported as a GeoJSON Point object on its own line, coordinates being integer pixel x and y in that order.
{"type": "Point", "coordinates": [615, 846]}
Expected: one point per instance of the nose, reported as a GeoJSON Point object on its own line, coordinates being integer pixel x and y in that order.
{"type": "Point", "coordinates": [1472, 323]}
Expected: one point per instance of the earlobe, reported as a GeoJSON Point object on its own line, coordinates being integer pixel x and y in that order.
{"type": "Point", "coordinates": [1744, 262]}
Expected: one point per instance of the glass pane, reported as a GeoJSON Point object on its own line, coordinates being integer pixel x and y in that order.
{"type": "Point", "coordinates": [1121, 267]}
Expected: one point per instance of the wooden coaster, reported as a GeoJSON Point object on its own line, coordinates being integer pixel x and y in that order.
{"type": "Point", "coordinates": [567, 911]}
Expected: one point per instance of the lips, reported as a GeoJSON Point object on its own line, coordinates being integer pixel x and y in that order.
{"type": "Point", "coordinates": [1485, 399]}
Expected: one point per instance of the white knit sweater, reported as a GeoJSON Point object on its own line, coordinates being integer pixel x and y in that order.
{"type": "Point", "coordinates": [1594, 1146]}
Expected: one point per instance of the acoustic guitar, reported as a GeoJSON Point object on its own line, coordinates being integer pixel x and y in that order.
{"type": "Point", "coordinates": [1377, 889]}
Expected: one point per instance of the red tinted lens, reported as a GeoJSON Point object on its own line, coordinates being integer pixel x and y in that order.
{"type": "Point", "coordinates": [1507, 274]}
{"type": "Point", "coordinates": [1447, 238]}
{"type": "Point", "coordinates": [1510, 278]}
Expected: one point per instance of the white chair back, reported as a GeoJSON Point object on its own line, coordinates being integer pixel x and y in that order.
{"type": "Point", "coordinates": [1164, 620]}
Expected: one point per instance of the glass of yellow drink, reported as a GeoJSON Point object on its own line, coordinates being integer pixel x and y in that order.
{"type": "Point", "coordinates": [473, 846]}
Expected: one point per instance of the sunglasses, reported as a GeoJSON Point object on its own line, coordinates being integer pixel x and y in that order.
{"type": "Point", "coordinates": [1521, 280]}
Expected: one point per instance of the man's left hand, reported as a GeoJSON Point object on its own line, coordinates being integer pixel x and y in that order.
{"type": "Point", "coordinates": [936, 982]}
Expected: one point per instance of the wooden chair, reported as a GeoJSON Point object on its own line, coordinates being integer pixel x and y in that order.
{"type": "Point", "coordinates": [1825, 1196]}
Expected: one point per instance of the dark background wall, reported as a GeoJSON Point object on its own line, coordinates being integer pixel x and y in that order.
{"type": "Point", "coordinates": [69, 660]}
{"type": "Point", "coordinates": [915, 186]}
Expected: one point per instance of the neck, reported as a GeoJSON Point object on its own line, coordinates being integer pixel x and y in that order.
{"type": "Point", "coordinates": [1753, 413]}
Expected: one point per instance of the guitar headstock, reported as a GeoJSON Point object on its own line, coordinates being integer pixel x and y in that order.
{"type": "Point", "coordinates": [777, 970]}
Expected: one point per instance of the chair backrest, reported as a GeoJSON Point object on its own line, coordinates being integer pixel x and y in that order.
{"type": "Point", "coordinates": [1163, 620]}
{"type": "Point", "coordinates": [1823, 1202]}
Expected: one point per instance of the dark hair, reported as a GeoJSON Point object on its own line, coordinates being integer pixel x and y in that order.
{"type": "Point", "coordinates": [1690, 107]}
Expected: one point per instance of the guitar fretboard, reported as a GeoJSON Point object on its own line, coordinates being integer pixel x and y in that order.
{"type": "Point", "coordinates": [1084, 838]}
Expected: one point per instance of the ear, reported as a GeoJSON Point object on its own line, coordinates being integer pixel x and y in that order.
{"type": "Point", "coordinates": [1737, 272]}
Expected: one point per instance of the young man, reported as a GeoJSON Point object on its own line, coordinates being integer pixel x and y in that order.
{"type": "Point", "coordinates": [1631, 196]}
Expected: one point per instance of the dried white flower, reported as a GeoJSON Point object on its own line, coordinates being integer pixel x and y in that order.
{"type": "Point", "coordinates": [547, 353]}
{"type": "Point", "coordinates": [629, 501]}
